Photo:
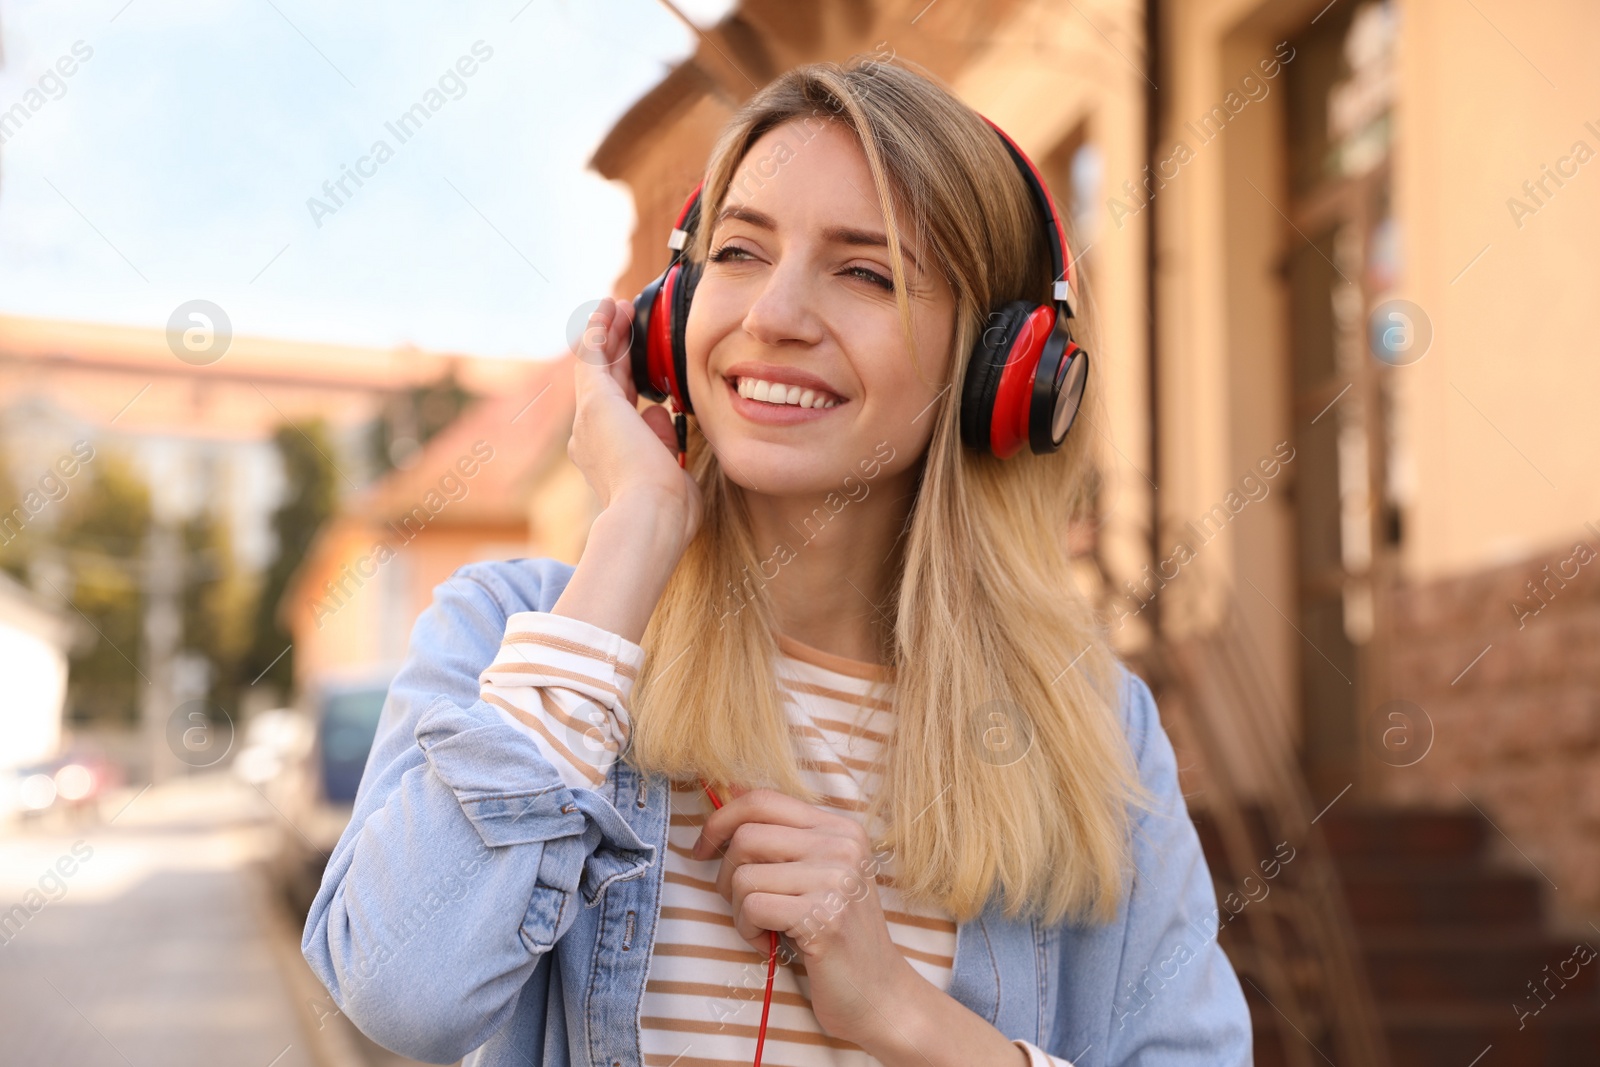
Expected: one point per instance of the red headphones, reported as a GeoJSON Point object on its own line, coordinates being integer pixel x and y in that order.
{"type": "Point", "coordinates": [1025, 379]}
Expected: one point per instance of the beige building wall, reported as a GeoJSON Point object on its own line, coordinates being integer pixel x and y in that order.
{"type": "Point", "coordinates": [1503, 426]}
{"type": "Point", "coordinates": [1223, 328]}
{"type": "Point", "coordinates": [561, 508]}
{"type": "Point", "coordinates": [1502, 433]}
{"type": "Point", "coordinates": [1496, 439]}
{"type": "Point", "coordinates": [1498, 413]}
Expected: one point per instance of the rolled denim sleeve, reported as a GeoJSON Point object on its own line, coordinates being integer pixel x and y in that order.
{"type": "Point", "coordinates": [1176, 1000]}
{"type": "Point", "coordinates": [466, 854]}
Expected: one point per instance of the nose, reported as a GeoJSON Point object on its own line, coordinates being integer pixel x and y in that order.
{"type": "Point", "coordinates": [784, 310]}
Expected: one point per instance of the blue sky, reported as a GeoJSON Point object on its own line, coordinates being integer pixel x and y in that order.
{"type": "Point", "coordinates": [176, 162]}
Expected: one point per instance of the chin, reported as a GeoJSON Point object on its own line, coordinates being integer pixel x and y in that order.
{"type": "Point", "coordinates": [774, 469]}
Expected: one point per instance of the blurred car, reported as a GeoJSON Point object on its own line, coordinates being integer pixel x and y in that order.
{"type": "Point", "coordinates": [73, 782]}
{"type": "Point", "coordinates": [308, 763]}
{"type": "Point", "coordinates": [273, 740]}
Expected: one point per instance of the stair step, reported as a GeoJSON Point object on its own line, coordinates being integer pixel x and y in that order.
{"type": "Point", "coordinates": [1482, 898]}
{"type": "Point", "coordinates": [1426, 836]}
{"type": "Point", "coordinates": [1559, 1036]}
{"type": "Point", "coordinates": [1465, 967]}
{"type": "Point", "coordinates": [1454, 1037]}
{"type": "Point", "coordinates": [1269, 1050]}
{"type": "Point", "coordinates": [1450, 943]}
{"type": "Point", "coordinates": [1427, 839]}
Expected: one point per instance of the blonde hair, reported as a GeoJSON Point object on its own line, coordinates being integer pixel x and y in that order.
{"type": "Point", "coordinates": [984, 613]}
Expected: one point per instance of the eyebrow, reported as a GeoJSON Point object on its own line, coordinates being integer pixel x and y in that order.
{"type": "Point", "coordinates": [845, 235]}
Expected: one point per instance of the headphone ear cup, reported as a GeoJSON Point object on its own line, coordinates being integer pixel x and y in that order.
{"type": "Point", "coordinates": [644, 314]}
{"type": "Point", "coordinates": [1059, 385]}
{"type": "Point", "coordinates": [989, 355]}
{"type": "Point", "coordinates": [682, 297]}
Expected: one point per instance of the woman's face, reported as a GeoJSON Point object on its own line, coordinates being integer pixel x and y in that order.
{"type": "Point", "coordinates": [797, 291]}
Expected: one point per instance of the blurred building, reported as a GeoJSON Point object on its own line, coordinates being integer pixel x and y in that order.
{"type": "Point", "coordinates": [496, 484]}
{"type": "Point", "coordinates": [199, 430]}
{"type": "Point", "coordinates": [34, 639]}
{"type": "Point", "coordinates": [202, 432]}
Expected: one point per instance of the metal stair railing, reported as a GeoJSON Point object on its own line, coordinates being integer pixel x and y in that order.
{"type": "Point", "coordinates": [1305, 950]}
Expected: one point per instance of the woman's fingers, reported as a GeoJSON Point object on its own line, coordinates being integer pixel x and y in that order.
{"type": "Point", "coordinates": [594, 347]}
{"type": "Point", "coordinates": [609, 338]}
{"type": "Point", "coordinates": [656, 416]}
{"type": "Point", "coordinates": [620, 342]}
{"type": "Point", "coordinates": [606, 341]}
{"type": "Point", "coordinates": [608, 443]}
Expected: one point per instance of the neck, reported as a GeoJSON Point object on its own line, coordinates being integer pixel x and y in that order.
{"type": "Point", "coordinates": [843, 552]}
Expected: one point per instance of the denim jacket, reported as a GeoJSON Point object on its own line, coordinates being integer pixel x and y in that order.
{"type": "Point", "coordinates": [477, 907]}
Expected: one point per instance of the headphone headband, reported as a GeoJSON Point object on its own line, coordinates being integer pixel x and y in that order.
{"type": "Point", "coordinates": [1060, 257]}
{"type": "Point", "coordinates": [1060, 260]}
{"type": "Point", "coordinates": [688, 219]}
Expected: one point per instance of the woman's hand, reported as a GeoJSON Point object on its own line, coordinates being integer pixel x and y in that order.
{"type": "Point", "coordinates": [808, 873]}
{"type": "Point", "coordinates": [620, 449]}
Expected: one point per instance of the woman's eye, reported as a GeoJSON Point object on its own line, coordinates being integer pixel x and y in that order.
{"type": "Point", "coordinates": [872, 276]}
{"type": "Point", "coordinates": [727, 252]}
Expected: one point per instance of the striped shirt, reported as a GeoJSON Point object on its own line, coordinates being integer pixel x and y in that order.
{"type": "Point", "coordinates": [566, 683]}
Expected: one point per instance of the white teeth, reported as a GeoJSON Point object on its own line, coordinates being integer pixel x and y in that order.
{"type": "Point", "coordinates": [777, 393]}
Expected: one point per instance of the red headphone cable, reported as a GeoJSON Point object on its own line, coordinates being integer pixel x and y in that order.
{"type": "Point", "coordinates": [772, 942]}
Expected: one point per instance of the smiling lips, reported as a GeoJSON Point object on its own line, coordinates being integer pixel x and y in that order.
{"type": "Point", "coordinates": [776, 395]}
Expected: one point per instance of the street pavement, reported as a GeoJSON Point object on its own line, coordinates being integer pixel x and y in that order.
{"type": "Point", "coordinates": [147, 936]}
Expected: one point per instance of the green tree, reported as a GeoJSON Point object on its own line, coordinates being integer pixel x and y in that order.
{"type": "Point", "coordinates": [310, 498]}
{"type": "Point", "coordinates": [218, 603]}
{"type": "Point", "coordinates": [101, 537]}
{"type": "Point", "coordinates": [13, 546]}
{"type": "Point", "coordinates": [412, 417]}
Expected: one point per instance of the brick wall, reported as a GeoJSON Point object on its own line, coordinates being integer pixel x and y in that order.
{"type": "Point", "coordinates": [1517, 731]}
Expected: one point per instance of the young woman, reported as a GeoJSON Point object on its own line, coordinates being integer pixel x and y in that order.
{"type": "Point", "coordinates": [823, 697]}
